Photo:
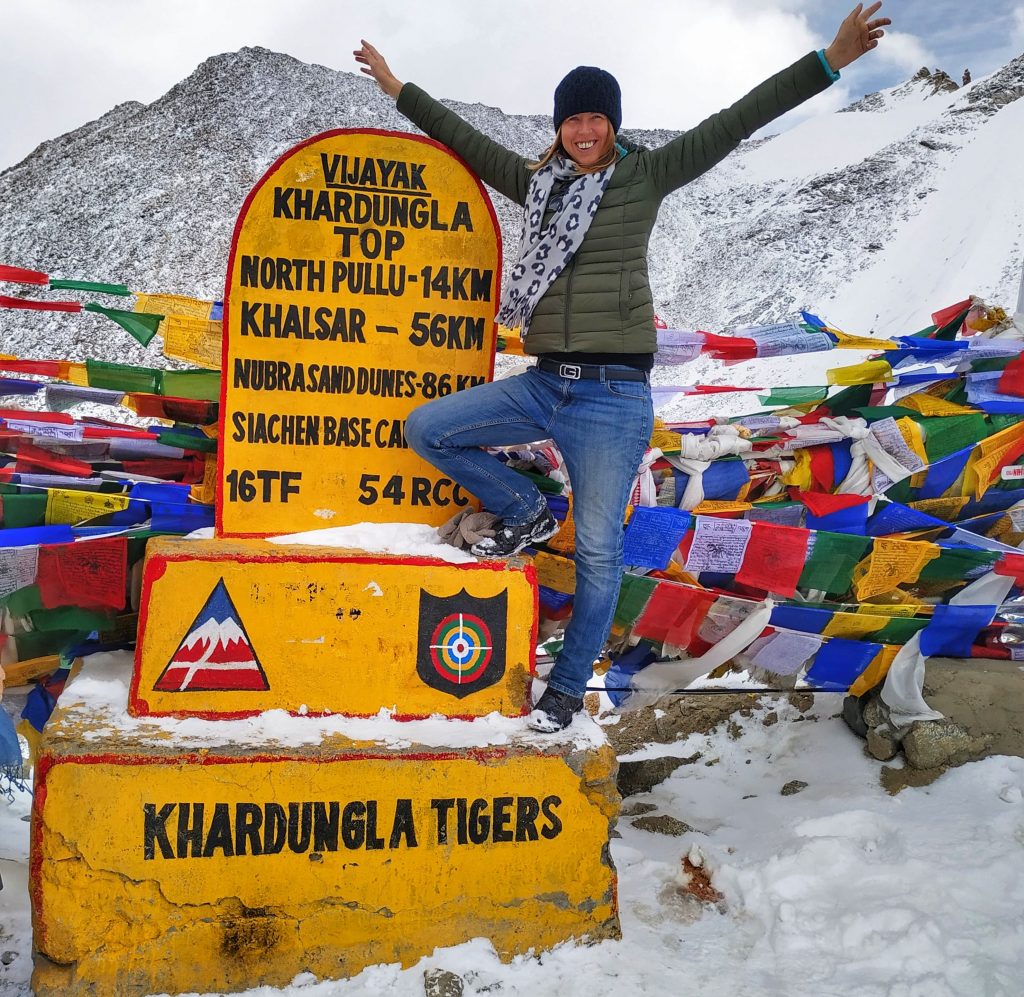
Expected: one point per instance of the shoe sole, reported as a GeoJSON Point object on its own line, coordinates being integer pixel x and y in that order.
{"type": "Point", "coordinates": [538, 538]}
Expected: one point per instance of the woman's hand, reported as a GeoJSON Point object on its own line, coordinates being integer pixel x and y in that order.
{"type": "Point", "coordinates": [375, 66]}
{"type": "Point", "coordinates": [857, 34]}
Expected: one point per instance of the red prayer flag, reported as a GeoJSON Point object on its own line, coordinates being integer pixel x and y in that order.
{"type": "Point", "coordinates": [774, 558]}
{"type": "Point", "coordinates": [673, 613]}
{"type": "Point", "coordinates": [18, 275]}
{"type": "Point", "coordinates": [946, 315]}
{"type": "Point", "coordinates": [819, 504]}
{"type": "Point", "coordinates": [1012, 566]}
{"type": "Point", "coordinates": [32, 458]}
{"type": "Point", "coordinates": [24, 415]}
{"type": "Point", "coordinates": [46, 368]}
{"type": "Point", "coordinates": [729, 347]}
{"type": "Point", "coordinates": [39, 306]}
{"type": "Point", "coordinates": [1011, 381]}
{"type": "Point", "coordinates": [89, 573]}
{"type": "Point", "coordinates": [822, 467]}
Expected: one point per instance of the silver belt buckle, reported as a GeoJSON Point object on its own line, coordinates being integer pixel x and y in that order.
{"type": "Point", "coordinates": [569, 370]}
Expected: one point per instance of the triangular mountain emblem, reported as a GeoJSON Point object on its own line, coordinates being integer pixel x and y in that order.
{"type": "Point", "coordinates": [216, 654]}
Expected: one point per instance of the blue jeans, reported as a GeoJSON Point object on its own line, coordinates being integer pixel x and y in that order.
{"type": "Point", "coordinates": [601, 428]}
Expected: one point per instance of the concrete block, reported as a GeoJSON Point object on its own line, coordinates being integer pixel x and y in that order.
{"type": "Point", "coordinates": [235, 628]}
{"type": "Point", "coordinates": [241, 862]}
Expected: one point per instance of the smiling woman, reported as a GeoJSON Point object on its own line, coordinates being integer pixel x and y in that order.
{"type": "Point", "coordinates": [579, 291]}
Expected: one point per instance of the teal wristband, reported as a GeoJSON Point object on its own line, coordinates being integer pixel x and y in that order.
{"type": "Point", "coordinates": [829, 71]}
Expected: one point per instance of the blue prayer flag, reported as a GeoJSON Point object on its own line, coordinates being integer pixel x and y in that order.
{"type": "Point", "coordinates": [840, 662]}
{"type": "Point", "coordinates": [953, 629]}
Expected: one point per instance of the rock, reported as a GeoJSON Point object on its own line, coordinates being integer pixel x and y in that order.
{"type": "Point", "coordinates": [636, 809]}
{"type": "Point", "coordinates": [883, 743]}
{"type": "Point", "coordinates": [770, 719]}
{"type": "Point", "coordinates": [592, 703]}
{"type": "Point", "coordinates": [853, 715]}
{"type": "Point", "coordinates": [895, 778]}
{"type": "Point", "coordinates": [875, 712]}
{"type": "Point", "coordinates": [662, 824]}
{"type": "Point", "coordinates": [793, 786]}
{"type": "Point", "coordinates": [933, 743]}
{"type": "Point", "coordinates": [672, 718]}
{"type": "Point", "coordinates": [801, 701]}
{"type": "Point", "coordinates": [643, 776]}
{"type": "Point", "coordinates": [442, 983]}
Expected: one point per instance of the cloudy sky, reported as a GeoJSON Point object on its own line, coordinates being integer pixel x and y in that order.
{"type": "Point", "coordinates": [68, 61]}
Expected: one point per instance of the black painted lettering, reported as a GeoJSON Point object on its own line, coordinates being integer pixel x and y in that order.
{"type": "Point", "coordinates": [527, 812]}
{"type": "Point", "coordinates": [300, 823]}
{"type": "Point", "coordinates": [353, 825]}
{"type": "Point", "coordinates": [502, 817]}
{"type": "Point", "coordinates": [155, 830]}
{"type": "Point", "coordinates": [190, 830]}
{"type": "Point", "coordinates": [325, 826]}
{"type": "Point", "coordinates": [442, 807]}
{"type": "Point", "coordinates": [403, 826]}
{"type": "Point", "coordinates": [275, 827]}
{"type": "Point", "coordinates": [373, 841]}
{"type": "Point", "coordinates": [219, 836]}
{"type": "Point", "coordinates": [554, 826]}
{"type": "Point", "coordinates": [479, 822]}
{"type": "Point", "coordinates": [248, 821]}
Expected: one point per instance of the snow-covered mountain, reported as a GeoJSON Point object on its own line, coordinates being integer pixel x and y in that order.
{"type": "Point", "coordinates": [908, 199]}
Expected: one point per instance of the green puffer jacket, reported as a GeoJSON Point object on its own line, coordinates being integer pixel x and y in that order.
{"type": "Point", "coordinates": [601, 302]}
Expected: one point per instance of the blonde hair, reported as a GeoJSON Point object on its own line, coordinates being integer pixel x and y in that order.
{"type": "Point", "coordinates": [608, 156]}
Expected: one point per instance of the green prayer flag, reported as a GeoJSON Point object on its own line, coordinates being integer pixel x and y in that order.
{"type": "Point", "coordinates": [39, 643]}
{"type": "Point", "coordinates": [24, 601]}
{"type": "Point", "coordinates": [946, 434]}
{"type": "Point", "coordinates": [122, 377]}
{"type": "Point", "coordinates": [24, 510]}
{"type": "Point", "coordinates": [875, 413]}
{"type": "Point", "coordinates": [199, 385]}
{"type": "Point", "coordinates": [793, 396]}
{"type": "Point", "coordinates": [70, 618]}
{"type": "Point", "coordinates": [204, 444]}
{"type": "Point", "coordinates": [88, 285]}
{"type": "Point", "coordinates": [633, 596]}
{"type": "Point", "coordinates": [955, 563]}
{"type": "Point", "coordinates": [141, 325]}
{"type": "Point", "coordinates": [899, 630]}
{"type": "Point", "coordinates": [950, 329]}
{"type": "Point", "coordinates": [847, 401]}
{"type": "Point", "coordinates": [830, 566]}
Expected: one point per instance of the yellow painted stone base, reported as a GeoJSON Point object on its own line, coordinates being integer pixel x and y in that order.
{"type": "Point", "coordinates": [232, 628]}
{"type": "Point", "coordinates": [160, 867]}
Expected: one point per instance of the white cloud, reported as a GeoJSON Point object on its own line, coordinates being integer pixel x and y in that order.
{"type": "Point", "coordinates": [905, 51]}
{"type": "Point", "coordinates": [677, 60]}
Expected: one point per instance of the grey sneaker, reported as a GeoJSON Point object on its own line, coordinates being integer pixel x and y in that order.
{"type": "Point", "coordinates": [511, 539]}
{"type": "Point", "coordinates": [554, 711]}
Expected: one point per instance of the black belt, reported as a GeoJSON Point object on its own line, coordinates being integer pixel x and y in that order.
{"type": "Point", "coordinates": [591, 371]}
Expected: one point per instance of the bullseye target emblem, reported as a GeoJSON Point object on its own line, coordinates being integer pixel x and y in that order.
{"type": "Point", "coordinates": [461, 648]}
{"type": "Point", "coordinates": [461, 642]}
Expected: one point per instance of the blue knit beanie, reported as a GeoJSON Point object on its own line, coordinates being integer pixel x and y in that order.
{"type": "Point", "coordinates": [588, 89]}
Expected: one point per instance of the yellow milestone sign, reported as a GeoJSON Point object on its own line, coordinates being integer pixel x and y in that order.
{"type": "Point", "coordinates": [235, 628]}
{"type": "Point", "coordinates": [241, 868]}
{"type": "Point", "coordinates": [363, 281]}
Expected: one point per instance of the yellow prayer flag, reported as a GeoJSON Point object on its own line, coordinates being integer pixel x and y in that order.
{"type": "Point", "coordinates": [890, 564]}
{"type": "Point", "coordinates": [869, 372]}
{"type": "Point", "coordinates": [710, 507]}
{"type": "Point", "coordinates": [947, 509]}
{"type": "Point", "coordinates": [989, 456]}
{"type": "Point", "coordinates": [173, 304]}
{"type": "Point", "coordinates": [558, 573]}
{"type": "Point", "coordinates": [800, 475]}
{"type": "Point", "coordinates": [666, 441]}
{"type": "Point", "coordinates": [565, 539]}
{"type": "Point", "coordinates": [928, 404]}
{"type": "Point", "coordinates": [194, 340]}
{"type": "Point", "coordinates": [913, 436]}
{"type": "Point", "coordinates": [846, 342]}
{"type": "Point", "coordinates": [71, 507]}
{"type": "Point", "coordinates": [854, 626]}
{"type": "Point", "coordinates": [876, 671]}
{"type": "Point", "coordinates": [206, 490]}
